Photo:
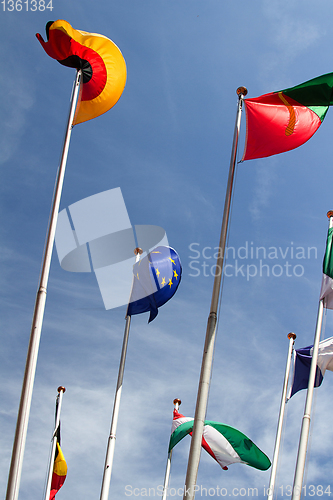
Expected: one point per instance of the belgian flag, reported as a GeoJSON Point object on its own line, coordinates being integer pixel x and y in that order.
{"type": "Point", "coordinates": [59, 470]}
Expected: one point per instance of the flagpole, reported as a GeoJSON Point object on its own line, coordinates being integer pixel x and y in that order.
{"type": "Point", "coordinates": [207, 358]}
{"type": "Point", "coordinates": [270, 491]}
{"type": "Point", "coordinates": [31, 361]}
{"type": "Point", "coordinates": [304, 436]}
{"type": "Point", "coordinates": [112, 437]}
{"type": "Point", "coordinates": [176, 402]}
{"type": "Point", "coordinates": [61, 391]}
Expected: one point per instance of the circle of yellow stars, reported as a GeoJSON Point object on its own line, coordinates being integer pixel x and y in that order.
{"type": "Point", "coordinates": [175, 275]}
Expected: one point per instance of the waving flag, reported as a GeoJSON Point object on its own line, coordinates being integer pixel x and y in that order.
{"type": "Point", "coordinates": [156, 279]}
{"type": "Point", "coordinates": [302, 365]}
{"type": "Point", "coordinates": [224, 443]}
{"type": "Point", "coordinates": [281, 121]}
{"type": "Point", "coordinates": [326, 292]}
{"type": "Point", "coordinates": [59, 471]}
{"type": "Point", "coordinates": [102, 64]}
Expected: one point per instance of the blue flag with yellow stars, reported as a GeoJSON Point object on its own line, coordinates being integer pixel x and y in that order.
{"type": "Point", "coordinates": [156, 279]}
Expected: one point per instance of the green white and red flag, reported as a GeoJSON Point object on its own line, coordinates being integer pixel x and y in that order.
{"type": "Point", "coordinates": [284, 120]}
{"type": "Point", "coordinates": [326, 292]}
{"type": "Point", "coordinates": [224, 443]}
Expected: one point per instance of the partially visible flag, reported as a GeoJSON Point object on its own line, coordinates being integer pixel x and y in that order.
{"type": "Point", "coordinates": [281, 121]}
{"type": "Point", "coordinates": [302, 365]}
{"type": "Point", "coordinates": [326, 292]}
{"type": "Point", "coordinates": [156, 279]}
{"type": "Point", "coordinates": [224, 443]}
{"type": "Point", "coordinates": [102, 64]}
{"type": "Point", "coordinates": [59, 469]}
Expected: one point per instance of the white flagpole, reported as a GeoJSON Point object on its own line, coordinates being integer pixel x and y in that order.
{"type": "Point", "coordinates": [207, 358]}
{"type": "Point", "coordinates": [176, 402]}
{"type": "Point", "coordinates": [61, 391]}
{"type": "Point", "coordinates": [291, 337]}
{"type": "Point", "coordinates": [31, 362]}
{"type": "Point", "coordinates": [112, 437]}
{"type": "Point", "coordinates": [304, 436]}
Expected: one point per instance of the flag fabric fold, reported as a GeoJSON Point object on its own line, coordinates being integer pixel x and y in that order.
{"type": "Point", "coordinates": [326, 292]}
{"type": "Point", "coordinates": [302, 365]}
{"type": "Point", "coordinates": [224, 443]}
{"type": "Point", "coordinates": [156, 279]}
{"type": "Point", "coordinates": [284, 120]}
{"type": "Point", "coordinates": [102, 64]}
{"type": "Point", "coordinates": [59, 469]}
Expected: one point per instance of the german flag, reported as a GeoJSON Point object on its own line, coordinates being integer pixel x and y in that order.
{"type": "Point", "coordinates": [59, 472]}
{"type": "Point", "coordinates": [102, 64]}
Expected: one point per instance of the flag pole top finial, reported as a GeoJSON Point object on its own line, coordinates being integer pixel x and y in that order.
{"type": "Point", "coordinates": [138, 251]}
{"type": "Point", "coordinates": [242, 91]}
{"type": "Point", "coordinates": [61, 388]}
{"type": "Point", "coordinates": [177, 401]}
{"type": "Point", "coordinates": [330, 214]}
{"type": "Point", "coordinates": [291, 335]}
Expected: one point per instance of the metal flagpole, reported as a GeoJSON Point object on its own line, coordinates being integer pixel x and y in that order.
{"type": "Point", "coordinates": [61, 391]}
{"type": "Point", "coordinates": [270, 491]}
{"type": "Point", "coordinates": [207, 358]}
{"type": "Point", "coordinates": [303, 441]}
{"type": "Point", "coordinates": [112, 437]}
{"type": "Point", "coordinates": [31, 362]}
{"type": "Point", "coordinates": [176, 402]}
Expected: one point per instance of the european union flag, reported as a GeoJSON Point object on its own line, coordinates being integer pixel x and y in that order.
{"type": "Point", "coordinates": [156, 279]}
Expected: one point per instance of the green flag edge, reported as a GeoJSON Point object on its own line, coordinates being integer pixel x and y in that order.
{"type": "Point", "coordinates": [249, 453]}
{"type": "Point", "coordinates": [316, 94]}
{"type": "Point", "coordinates": [328, 261]}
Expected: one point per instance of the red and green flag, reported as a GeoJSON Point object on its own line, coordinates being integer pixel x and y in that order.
{"type": "Point", "coordinates": [283, 120]}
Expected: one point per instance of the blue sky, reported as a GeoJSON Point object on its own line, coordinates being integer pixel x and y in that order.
{"type": "Point", "coordinates": [167, 145]}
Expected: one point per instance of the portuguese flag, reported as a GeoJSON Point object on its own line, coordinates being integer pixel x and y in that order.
{"type": "Point", "coordinates": [224, 443]}
{"type": "Point", "coordinates": [281, 121]}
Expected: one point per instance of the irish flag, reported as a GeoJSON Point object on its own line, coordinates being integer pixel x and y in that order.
{"type": "Point", "coordinates": [224, 443]}
{"type": "Point", "coordinates": [283, 120]}
{"type": "Point", "coordinates": [327, 282]}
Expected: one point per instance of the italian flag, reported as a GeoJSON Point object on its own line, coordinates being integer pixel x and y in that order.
{"type": "Point", "coordinates": [283, 120]}
{"type": "Point", "coordinates": [59, 472]}
{"type": "Point", "coordinates": [327, 282]}
{"type": "Point", "coordinates": [224, 443]}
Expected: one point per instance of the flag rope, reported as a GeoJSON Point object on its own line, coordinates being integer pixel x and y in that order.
{"type": "Point", "coordinates": [54, 441]}
{"type": "Point", "coordinates": [278, 472]}
{"type": "Point", "coordinates": [304, 435]}
{"type": "Point", "coordinates": [208, 351]}
{"type": "Point", "coordinates": [272, 481]}
{"type": "Point", "coordinates": [222, 271]}
{"type": "Point", "coordinates": [314, 407]}
{"type": "Point", "coordinates": [116, 404]}
{"type": "Point", "coordinates": [15, 471]}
